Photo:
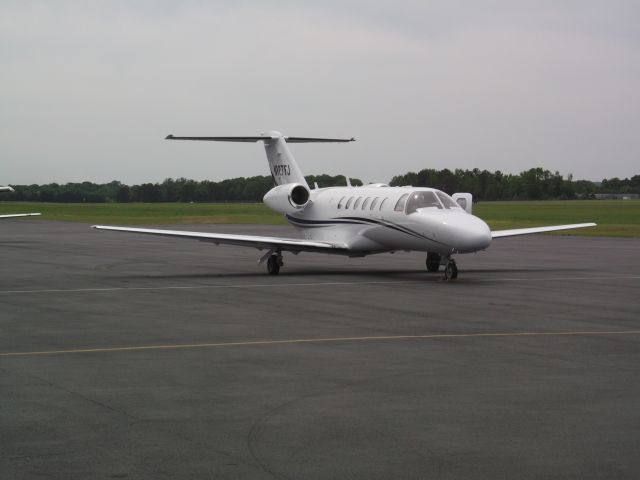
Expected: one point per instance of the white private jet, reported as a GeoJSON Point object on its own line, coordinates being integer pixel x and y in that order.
{"type": "Point", "coordinates": [13, 215]}
{"type": "Point", "coordinates": [356, 221]}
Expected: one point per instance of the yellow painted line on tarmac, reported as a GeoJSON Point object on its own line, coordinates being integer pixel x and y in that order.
{"type": "Point", "coordinates": [134, 348]}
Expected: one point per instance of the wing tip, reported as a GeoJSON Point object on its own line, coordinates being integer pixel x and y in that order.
{"type": "Point", "coordinates": [544, 229]}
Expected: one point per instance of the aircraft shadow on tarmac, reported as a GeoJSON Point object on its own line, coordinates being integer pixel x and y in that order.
{"type": "Point", "coordinates": [369, 274]}
{"type": "Point", "coordinates": [526, 270]}
{"type": "Point", "coordinates": [18, 243]}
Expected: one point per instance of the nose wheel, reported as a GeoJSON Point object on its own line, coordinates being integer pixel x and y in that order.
{"type": "Point", "coordinates": [451, 270]}
{"type": "Point", "coordinates": [434, 261]}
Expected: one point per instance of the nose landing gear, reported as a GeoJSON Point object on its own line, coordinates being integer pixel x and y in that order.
{"type": "Point", "coordinates": [434, 260]}
{"type": "Point", "coordinates": [451, 270]}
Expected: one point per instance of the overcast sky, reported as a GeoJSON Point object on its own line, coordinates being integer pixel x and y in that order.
{"type": "Point", "coordinates": [89, 90]}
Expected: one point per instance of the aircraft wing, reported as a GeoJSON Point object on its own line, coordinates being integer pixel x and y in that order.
{"type": "Point", "coordinates": [527, 231]}
{"type": "Point", "coordinates": [261, 243]}
{"type": "Point", "coordinates": [19, 215]}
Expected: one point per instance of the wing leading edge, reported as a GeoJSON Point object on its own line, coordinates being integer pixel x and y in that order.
{"type": "Point", "coordinates": [13, 215]}
{"type": "Point", "coordinates": [261, 243]}
{"type": "Point", "coordinates": [527, 231]}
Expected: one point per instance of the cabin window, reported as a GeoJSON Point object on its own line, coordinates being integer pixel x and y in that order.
{"type": "Point", "coordinates": [349, 202]}
{"type": "Point", "coordinates": [358, 200]}
{"type": "Point", "coordinates": [383, 202]}
{"type": "Point", "coordinates": [341, 202]}
{"type": "Point", "coordinates": [446, 200]}
{"type": "Point", "coordinates": [374, 203]}
{"type": "Point", "coordinates": [400, 204]}
{"type": "Point", "coordinates": [422, 200]}
{"type": "Point", "coordinates": [366, 202]}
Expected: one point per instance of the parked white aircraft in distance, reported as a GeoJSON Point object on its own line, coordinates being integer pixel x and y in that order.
{"type": "Point", "coordinates": [357, 221]}
{"type": "Point", "coordinates": [13, 215]}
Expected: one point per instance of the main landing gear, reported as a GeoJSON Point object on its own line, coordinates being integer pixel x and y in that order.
{"type": "Point", "coordinates": [434, 261]}
{"type": "Point", "coordinates": [274, 263]}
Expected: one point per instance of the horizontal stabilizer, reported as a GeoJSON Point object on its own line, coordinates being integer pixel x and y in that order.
{"type": "Point", "coordinates": [284, 168]}
{"type": "Point", "coordinates": [317, 140]}
{"type": "Point", "coordinates": [220, 139]}
{"type": "Point", "coordinates": [262, 138]}
{"type": "Point", "coordinates": [528, 231]}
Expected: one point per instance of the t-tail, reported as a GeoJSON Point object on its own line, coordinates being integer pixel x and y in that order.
{"type": "Point", "coordinates": [283, 166]}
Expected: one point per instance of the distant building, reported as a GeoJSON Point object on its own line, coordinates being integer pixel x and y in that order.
{"type": "Point", "coordinates": [616, 196]}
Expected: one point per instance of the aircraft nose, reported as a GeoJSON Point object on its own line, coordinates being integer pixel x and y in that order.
{"type": "Point", "coordinates": [467, 233]}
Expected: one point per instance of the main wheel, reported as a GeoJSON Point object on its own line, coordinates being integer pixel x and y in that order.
{"type": "Point", "coordinates": [451, 271]}
{"type": "Point", "coordinates": [273, 265]}
{"type": "Point", "coordinates": [433, 262]}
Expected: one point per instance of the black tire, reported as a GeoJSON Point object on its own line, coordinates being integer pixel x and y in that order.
{"type": "Point", "coordinates": [451, 271]}
{"type": "Point", "coordinates": [454, 270]}
{"type": "Point", "coordinates": [433, 262]}
{"type": "Point", "coordinates": [273, 265]}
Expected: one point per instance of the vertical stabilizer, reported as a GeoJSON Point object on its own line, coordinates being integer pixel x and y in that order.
{"type": "Point", "coordinates": [281, 162]}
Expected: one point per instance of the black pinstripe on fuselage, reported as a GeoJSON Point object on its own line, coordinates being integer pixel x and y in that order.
{"type": "Point", "coordinates": [306, 223]}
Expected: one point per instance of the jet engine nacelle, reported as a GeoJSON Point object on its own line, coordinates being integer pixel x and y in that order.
{"type": "Point", "coordinates": [287, 198]}
{"type": "Point", "coordinates": [465, 200]}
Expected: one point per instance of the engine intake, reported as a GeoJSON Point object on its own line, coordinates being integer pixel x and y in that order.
{"type": "Point", "coordinates": [299, 196]}
{"type": "Point", "coordinates": [287, 198]}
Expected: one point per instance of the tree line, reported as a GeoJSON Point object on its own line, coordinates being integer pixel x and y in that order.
{"type": "Point", "coordinates": [533, 184]}
{"type": "Point", "coordinates": [249, 189]}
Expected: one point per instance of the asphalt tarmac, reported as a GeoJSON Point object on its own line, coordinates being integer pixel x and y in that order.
{"type": "Point", "coordinates": [127, 356]}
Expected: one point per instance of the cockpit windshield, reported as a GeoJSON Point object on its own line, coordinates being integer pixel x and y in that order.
{"type": "Point", "coordinates": [446, 200]}
{"type": "Point", "coordinates": [422, 200]}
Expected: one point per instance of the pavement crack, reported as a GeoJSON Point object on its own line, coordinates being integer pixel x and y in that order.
{"type": "Point", "coordinates": [38, 455]}
{"type": "Point", "coordinates": [254, 433]}
{"type": "Point", "coordinates": [188, 439]}
{"type": "Point", "coordinates": [80, 395]}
